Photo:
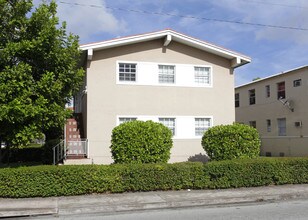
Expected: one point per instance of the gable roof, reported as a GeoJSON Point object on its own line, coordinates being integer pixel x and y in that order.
{"type": "Point", "coordinates": [272, 76]}
{"type": "Point", "coordinates": [169, 35]}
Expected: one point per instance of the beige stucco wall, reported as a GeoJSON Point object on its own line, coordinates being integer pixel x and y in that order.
{"type": "Point", "coordinates": [296, 142]}
{"type": "Point", "coordinates": [106, 99]}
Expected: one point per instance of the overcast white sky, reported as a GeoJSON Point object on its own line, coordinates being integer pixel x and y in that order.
{"type": "Point", "coordinates": [272, 50]}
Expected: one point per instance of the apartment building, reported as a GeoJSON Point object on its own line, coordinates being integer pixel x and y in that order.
{"type": "Point", "coordinates": [165, 76]}
{"type": "Point", "coordinates": [278, 107]}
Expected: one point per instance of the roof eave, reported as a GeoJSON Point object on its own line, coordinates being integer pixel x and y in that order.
{"type": "Point", "coordinates": [178, 37]}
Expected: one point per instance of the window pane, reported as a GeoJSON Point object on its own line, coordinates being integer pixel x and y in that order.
{"type": "Point", "coordinates": [169, 123]}
{"type": "Point", "coordinates": [237, 100]}
{"type": "Point", "coordinates": [281, 92]}
{"type": "Point", "coordinates": [252, 97]}
{"type": "Point", "coordinates": [127, 72]}
{"type": "Point", "coordinates": [202, 125]}
{"type": "Point", "coordinates": [166, 74]}
{"type": "Point", "coordinates": [122, 120]}
{"type": "Point", "coordinates": [297, 82]}
{"type": "Point", "coordinates": [267, 91]}
{"type": "Point", "coordinates": [282, 127]}
{"type": "Point", "coordinates": [202, 75]}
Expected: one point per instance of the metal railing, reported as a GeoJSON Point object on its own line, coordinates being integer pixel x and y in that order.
{"type": "Point", "coordinates": [77, 148]}
{"type": "Point", "coordinates": [58, 153]}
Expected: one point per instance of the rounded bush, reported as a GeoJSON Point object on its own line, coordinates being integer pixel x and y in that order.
{"type": "Point", "coordinates": [224, 142]}
{"type": "Point", "coordinates": [141, 142]}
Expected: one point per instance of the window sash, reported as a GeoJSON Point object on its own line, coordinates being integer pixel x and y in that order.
{"type": "Point", "coordinates": [202, 75]}
{"type": "Point", "coordinates": [268, 125]}
{"type": "Point", "coordinates": [297, 83]}
{"type": "Point", "coordinates": [127, 72]}
{"type": "Point", "coordinates": [281, 90]}
{"type": "Point", "coordinates": [282, 127]}
{"type": "Point", "coordinates": [252, 97]}
{"type": "Point", "coordinates": [237, 100]}
{"type": "Point", "coordinates": [202, 125]}
{"type": "Point", "coordinates": [166, 73]}
{"type": "Point", "coordinates": [268, 91]}
{"type": "Point", "coordinates": [126, 119]}
{"type": "Point", "coordinates": [169, 123]}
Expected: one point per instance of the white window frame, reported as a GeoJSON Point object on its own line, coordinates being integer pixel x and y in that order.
{"type": "Point", "coordinates": [202, 126]}
{"type": "Point", "coordinates": [118, 72]}
{"type": "Point", "coordinates": [166, 73]}
{"type": "Point", "coordinates": [198, 75]}
{"type": "Point", "coordinates": [163, 120]}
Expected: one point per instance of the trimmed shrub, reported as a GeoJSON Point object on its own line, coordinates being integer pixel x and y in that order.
{"type": "Point", "coordinates": [141, 142]}
{"type": "Point", "coordinates": [45, 181]}
{"type": "Point", "coordinates": [226, 142]}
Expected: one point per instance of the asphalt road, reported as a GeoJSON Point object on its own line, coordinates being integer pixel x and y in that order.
{"type": "Point", "coordinates": [282, 210]}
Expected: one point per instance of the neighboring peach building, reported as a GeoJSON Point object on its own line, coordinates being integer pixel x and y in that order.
{"type": "Point", "coordinates": [165, 76]}
{"type": "Point", "coordinates": [278, 107]}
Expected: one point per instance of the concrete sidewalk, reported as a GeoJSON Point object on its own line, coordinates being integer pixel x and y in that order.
{"type": "Point", "coordinates": [109, 203]}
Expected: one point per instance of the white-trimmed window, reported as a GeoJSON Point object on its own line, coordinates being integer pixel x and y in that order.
{"type": "Point", "coordinates": [126, 119]}
{"type": "Point", "coordinates": [169, 123]}
{"type": "Point", "coordinates": [166, 74]}
{"type": "Point", "coordinates": [202, 125]}
{"type": "Point", "coordinates": [202, 75]}
{"type": "Point", "coordinates": [127, 72]}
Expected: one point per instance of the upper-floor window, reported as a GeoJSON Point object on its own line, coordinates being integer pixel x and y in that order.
{"type": "Point", "coordinates": [297, 82]}
{"type": "Point", "coordinates": [169, 123]}
{"type": "Point", "coordinates": [126, 119]}
{"type": "Point", "coordinates": [281, 90]}
{"type": "Point", "coordinates": [267, 91]}
{"type": "Point", "coordinates": [202, 125]}
{"type": "Point", "coordinates": [237, 100]}
{"type": "Point", "coordinates": [166, 74]}
{"type": "Point", "coordinates": [127, 72]}
{"type": "Point", "coordinates": [252, 96]}
{"type": "Point", "coordinates": [202, 75]}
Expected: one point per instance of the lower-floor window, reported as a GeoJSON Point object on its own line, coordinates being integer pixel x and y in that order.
{"type": "Point", "coordinates": [126, 119]}
{"type": "Point", "coordinates": [253, 124]}
{"type": "Point", "coordinates": [202, 125]}
{"type": "Point", "coordinates": [169, 123]}
{"type": "Point", "coordinates": [268, 125]}
{"type": "Point", "coordinates": [282, 127]}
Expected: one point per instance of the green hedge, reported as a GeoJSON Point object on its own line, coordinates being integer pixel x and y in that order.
{"type": "Point", "coordinates": [47, 181]}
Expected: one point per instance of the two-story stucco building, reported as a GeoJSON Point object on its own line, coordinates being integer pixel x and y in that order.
{"type": "Point", "coordinates": [278, 107]}
{"type": "Point", "coordinates": [165, 76]}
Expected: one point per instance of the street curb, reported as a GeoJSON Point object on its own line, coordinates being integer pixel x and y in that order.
{"type": "Point", "coordinates": [28, 207]}
{"type": "Point", "coordinates": [125, 202]}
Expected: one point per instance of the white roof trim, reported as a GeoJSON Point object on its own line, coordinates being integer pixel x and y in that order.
{"type": "Point", "coordinates": [272, 76]}
{"type": "Point", "coordinates": [181, 38]}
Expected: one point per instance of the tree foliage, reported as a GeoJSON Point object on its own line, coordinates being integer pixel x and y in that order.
{"type": "Point", "coordinates": [141, 142]}
{"type": "Point", "coordinates": [224, 142]}
{"type": "Point", "coordinates": [38, 71]}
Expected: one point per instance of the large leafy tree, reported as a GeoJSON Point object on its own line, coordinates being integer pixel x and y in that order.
{"type": "Point", "coordinates": [39, 71]}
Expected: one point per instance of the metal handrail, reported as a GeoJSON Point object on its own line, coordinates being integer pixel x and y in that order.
{"type": "Point", "coordinates": [59, 152]}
